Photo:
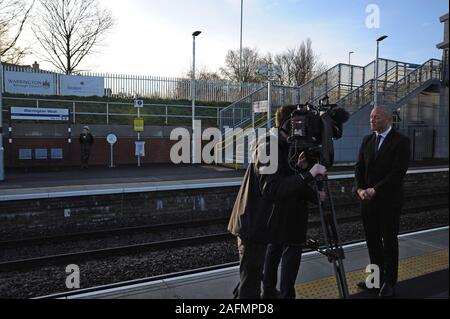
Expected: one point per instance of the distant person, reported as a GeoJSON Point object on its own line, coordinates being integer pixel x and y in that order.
{"type": "Point", "coordinates": [86, 141]}
{"type": "Point", "coordinates": [382, 165]}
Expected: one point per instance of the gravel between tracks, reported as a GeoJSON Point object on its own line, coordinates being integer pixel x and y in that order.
{"type": "Point", "coordinates": [48, 280]}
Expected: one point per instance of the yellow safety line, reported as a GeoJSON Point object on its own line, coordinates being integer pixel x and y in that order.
{"type": "Point", "coordinates": [410, 268]}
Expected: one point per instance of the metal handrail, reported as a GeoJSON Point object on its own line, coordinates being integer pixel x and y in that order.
{"type": "Point", "coordinates": [368, 82]}
{"type": "Point", "coordinates": [241, 100]}
{"type": "Point", "coordinates": [309, 88]}
{"type": "Point", "coordinates": [407, 79]}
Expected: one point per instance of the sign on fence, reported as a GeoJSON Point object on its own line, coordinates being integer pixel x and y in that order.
{"type": "Point", "coordinates": [34, 114]}
{"type": "Point", "coordinates": [30, 83]}
{"type": "Point", "coordinates": [82, 85]}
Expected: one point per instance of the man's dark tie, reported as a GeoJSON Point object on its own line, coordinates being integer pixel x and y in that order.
{"type": "Point", "coordinates": [378, 142]}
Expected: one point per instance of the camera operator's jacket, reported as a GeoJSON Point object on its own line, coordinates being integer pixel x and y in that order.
{"type": "Point", "coordinates": [272, 207]}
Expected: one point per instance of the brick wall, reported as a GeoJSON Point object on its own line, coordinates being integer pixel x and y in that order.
{"type": "Point", "coordinates": [157, 151]}
{"type": "Point", "coordinates": [30, 218]}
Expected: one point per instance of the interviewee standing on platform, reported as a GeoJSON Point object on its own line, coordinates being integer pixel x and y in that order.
{"type": "Point", "coordinates": [382, 165]}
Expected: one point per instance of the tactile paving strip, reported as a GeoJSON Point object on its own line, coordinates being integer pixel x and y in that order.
{"type": "Point", "coordinates": [410, 268]}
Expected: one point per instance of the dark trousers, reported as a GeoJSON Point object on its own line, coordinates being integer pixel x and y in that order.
{"type": "Point", "coordinates": [381, 226]}
{"type": "Point", "coordinates": [85, 154]}
{"type": "Point", "coordinates": [251, 268]}
{"type": "Point", "coordinates": [290, 258]}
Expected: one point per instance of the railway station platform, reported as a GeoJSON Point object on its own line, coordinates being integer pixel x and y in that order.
{"type": "Point", "coordinates": [24, 185]}
{"type": "Point", "coordinates": [423, 274]}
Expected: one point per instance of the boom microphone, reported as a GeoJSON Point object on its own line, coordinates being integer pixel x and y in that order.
{"type": "Point", "coordinates": [339, 115]}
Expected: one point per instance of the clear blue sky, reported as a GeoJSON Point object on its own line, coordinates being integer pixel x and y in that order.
{"type": "Point", "coordinates": [413, 25]}
{"type": "Point", "coordinates": [153, 37]}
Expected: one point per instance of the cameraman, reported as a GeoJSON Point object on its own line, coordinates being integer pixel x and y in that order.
{"type": "Point", "coordinates": [261, 200]}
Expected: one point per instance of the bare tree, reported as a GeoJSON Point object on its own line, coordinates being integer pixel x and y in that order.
{"type": "Point", "coordinates": [250, 63]}
{"type": "Point", "coordinates": [70, 30]}
{"type": "Point", "coordinates": [13, 16]}
{"type": "Point", "coordinates": [299, 65]}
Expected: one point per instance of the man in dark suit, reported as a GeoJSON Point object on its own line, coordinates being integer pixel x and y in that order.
{"type": "Point", "coordinates": [382, 165]}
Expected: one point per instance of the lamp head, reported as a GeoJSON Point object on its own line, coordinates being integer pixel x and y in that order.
{"type": "Point", "coordinates": [382, 38]}
{"type": "Point", "coordinates": [196, 33]}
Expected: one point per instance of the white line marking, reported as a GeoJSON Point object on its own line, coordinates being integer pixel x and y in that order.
{"type": "Point", "coordinates": [176, 186]}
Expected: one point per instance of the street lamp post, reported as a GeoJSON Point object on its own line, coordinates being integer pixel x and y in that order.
{"type": "Point", "coordinates": [240, 51]}
{"type": "Point", "coordinates": [350, 57]}
{"type": "Point", "coordinates": [375, 99]}
{"type": "Point", "coordinates": [193, 88]}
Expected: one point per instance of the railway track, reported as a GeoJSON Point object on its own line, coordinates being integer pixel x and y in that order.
{"type": "Point", "coordinates": [179, 225]}
{"type": "Point", "coordinates": [111, 232]}
{"type": "Point", "coordinates": [93, 289]}
{"type": "Point", "coordinates": [160, 245]}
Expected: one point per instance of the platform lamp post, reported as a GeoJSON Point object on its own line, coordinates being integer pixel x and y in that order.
{"type": "Point", "coordinates": [2, 152]}
{"type": "Point", "coordinates": [377, 62]}
{"type": "Point", "coordinates": [240, 50]}
{"type": "Point", "coordinates": [193, 88]}
{"type": "Point", "coordinates": [350, 57]}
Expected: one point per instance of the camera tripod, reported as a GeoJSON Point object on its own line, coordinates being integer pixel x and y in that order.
{"type": "Point", "coordinates": [333, 251]}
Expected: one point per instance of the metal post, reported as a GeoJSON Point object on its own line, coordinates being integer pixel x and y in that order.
{"type": "Point", "coordinates": [240, 59]}
{"type": "Point", "coordinates": [2, 157]}
{"type": "Point", "coordinates": [193, 87]}
{"type": "Point", "coordinates": [112, 156]}
{"type": "Point", "coordinates": [375, 101]}
{"type": "Point", "coordinates": [339, 82]}
{"type": "Point", "coordinates": [74, 113]}
{"type": "Point", "coordinates": [269, 105]}
{"type": "Point", "coordinates": [221, 121]}
{"type": "Point", "coordinates": [167, 115]}
{"type": "Point", "coordinates": [351, 69]}
{"type": "Point", "coordinates": [375, 98]}
{"type": "Point", "coordinates": [253, 117]}
{"type": "Point", "coordinates": [218, 116]}
{"type": "Point", "coordinates": [139, 138]}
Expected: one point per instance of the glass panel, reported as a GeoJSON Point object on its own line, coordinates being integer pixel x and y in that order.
{"type": "Point", "coordinates": [358, 76]}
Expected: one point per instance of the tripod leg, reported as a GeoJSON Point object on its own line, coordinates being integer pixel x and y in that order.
{"type": "Point", "coordinates": [339, 263]}
{"type": "Point", "coordinates": [331, 236]}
